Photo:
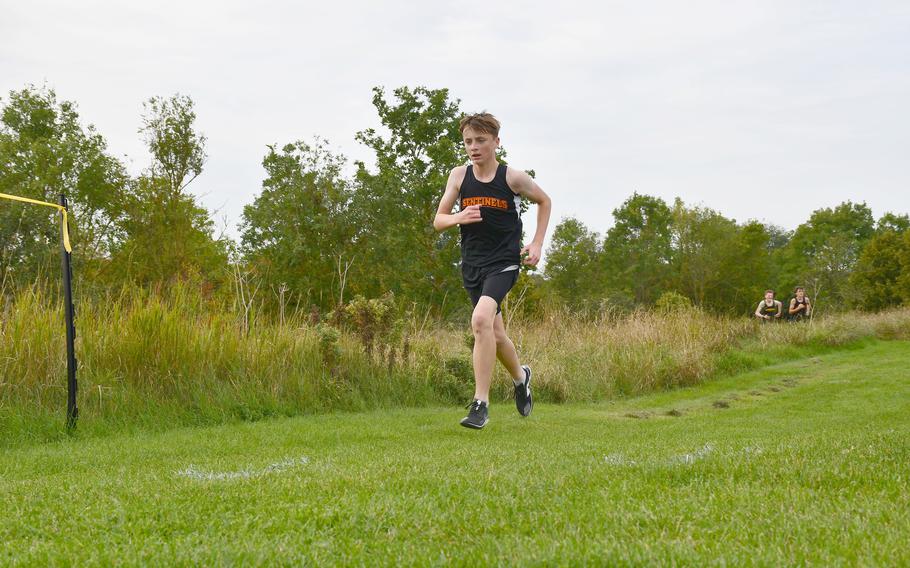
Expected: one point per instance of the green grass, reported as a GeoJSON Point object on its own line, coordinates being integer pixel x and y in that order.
{"type": "Point", "coordinates": [797, 463]}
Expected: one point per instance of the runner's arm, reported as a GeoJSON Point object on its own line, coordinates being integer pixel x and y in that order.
{"type": "Point", "coordinates": [525, 186]}
{"type": "Point", "coordinates": [444, 218]}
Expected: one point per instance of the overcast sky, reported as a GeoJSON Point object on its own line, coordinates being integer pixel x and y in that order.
{"type": "Point", "coordinates": [764, 109]}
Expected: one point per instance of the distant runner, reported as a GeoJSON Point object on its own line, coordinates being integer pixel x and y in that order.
{"type": "Point", "coordinates": [800, 308]}
{"type": "Point", "coordinates": [769, 309]}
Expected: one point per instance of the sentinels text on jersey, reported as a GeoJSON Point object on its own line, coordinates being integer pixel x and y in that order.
{"type": "Point", "coordinates": [496, 239]}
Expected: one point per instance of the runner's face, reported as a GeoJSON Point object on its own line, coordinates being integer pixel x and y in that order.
{"type": "Point", "coordinates": [768, 297]}
{"type": "Point", "coordinates": [800, 294]}
{"type": "Point", "coordinates": [480, 146]}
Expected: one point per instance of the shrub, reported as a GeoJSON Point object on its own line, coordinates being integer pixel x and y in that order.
{"type": "Point", "coordinates": [671, 302]}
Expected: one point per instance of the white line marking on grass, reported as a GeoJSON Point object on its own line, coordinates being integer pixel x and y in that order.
{"type": "Point", "coordinates": [618, 459]}
{"type": "Point", "coordinates": [699, 454]}
{"type": "Point", "coordinates": [753, 450]}
{"type": "Point", "coordinates": [192, 472]}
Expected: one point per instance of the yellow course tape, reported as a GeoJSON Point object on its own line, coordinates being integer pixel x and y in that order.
{"type": "Point", "coordinates": [66, 231]}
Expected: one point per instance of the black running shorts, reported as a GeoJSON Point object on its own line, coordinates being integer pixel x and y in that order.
{"type": "Point", "coordinates": [494, 281]}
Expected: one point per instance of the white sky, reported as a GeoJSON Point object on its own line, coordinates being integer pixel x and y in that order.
{"type": "Point", "coordinates": [763, 109]}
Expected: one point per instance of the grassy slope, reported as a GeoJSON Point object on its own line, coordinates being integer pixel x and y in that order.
{"type": "Point", "coordinates": [807, 463]}
{"type": "Point", "coordinates": [149, 363]}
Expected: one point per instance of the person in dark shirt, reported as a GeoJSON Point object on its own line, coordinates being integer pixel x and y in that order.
{"type": "Point", "coordinates": [800, 308]}
{"type": "Point", "coordinates": [488, 194]}
{"type": "Point", "coordinates": [769, 309]}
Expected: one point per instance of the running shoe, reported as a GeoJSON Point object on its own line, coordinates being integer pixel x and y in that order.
{"type": "Point", "coordinates": [523, 401]}
{"type": "Point", "coordinates": [477, 415]}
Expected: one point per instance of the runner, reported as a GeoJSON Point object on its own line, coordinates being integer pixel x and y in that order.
{"type": "Point", "coordinates": [800, 308]}
{"type": "Point", "coordinates": [769, 309]}
{"type": "Point", "coordinates": [489, 194]}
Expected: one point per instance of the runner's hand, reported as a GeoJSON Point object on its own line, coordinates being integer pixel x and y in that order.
{"type": "Point", "coordinates": [533, 251]}
{"type": "Point", "coordinates": [470, 214]}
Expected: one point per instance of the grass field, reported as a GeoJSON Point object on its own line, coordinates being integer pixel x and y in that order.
{"type": "Point", "coordinates": [800, 463]}
{"type": "Point", "coordinates": [153, 362]}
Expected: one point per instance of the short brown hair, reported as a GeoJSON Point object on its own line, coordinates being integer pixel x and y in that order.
{"type": "Point", "coordinates": [482, 122]}
{"type": "Point", "coordinates": [769, 290]}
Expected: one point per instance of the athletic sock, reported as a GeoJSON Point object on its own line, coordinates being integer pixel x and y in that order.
{"type": "Point", "coordinates": [520, 381]}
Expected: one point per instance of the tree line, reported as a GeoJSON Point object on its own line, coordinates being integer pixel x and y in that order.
{"type": "Point", "coordinates": [844, 258]}
{"type": "Point", "coordinates": [322, 231]}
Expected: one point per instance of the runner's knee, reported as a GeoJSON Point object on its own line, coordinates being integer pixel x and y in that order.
{"type": "Point", "coordinates": [482, 318]}
{"type": "Point", "coordinates": [481, 323]}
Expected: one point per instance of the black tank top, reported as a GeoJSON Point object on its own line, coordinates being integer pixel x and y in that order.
{"type": "Point", "coordinates": [797, 303]}
{"type": "Point", "coordinates": [496, 239]}
{"type": "Point", "coordinates": [767, 310]}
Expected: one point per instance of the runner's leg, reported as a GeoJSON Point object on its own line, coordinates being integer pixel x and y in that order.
{"type": "Point", "coordinates": [484, 346]}
{"type": "Point", "coordinates": [505, 350]}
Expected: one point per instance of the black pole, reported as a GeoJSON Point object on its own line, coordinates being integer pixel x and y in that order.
{"type": "Point", "coordinates": [72, 411]}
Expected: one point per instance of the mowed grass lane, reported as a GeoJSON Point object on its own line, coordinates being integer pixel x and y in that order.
{"type": "Point", "coordinates": [801, 463]}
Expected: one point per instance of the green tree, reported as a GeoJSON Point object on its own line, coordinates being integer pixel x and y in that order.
{"type": "Point", "coordinates": [168, 235]}
{"type": "Point", "coordinates": [393, 206]}
{"type": "Point", "coordinates": [178, 151]}
{"type": "Point", "coordinates": [878, 271]}
{"type": "Point", "coordinates": [823, 252]}
{"type": "Point", "coordinates": [892, 222]}
{"type": "Point", "coordinates": [637, 249]}
{"type": "Point", "coordinates": [574, 264]}
{"type": "Point", "coordinates": [297, 233]}
{"type": "Point", "coordinates": [705, 256]}
{"type": "Point", "coordinates": [778, 237]}
{"type": "Point", "coordinates": [169, 238]}
{"type": "Point", "coordinates": [751, 267]}
{"type": "Point", "coordinates": [903, 281]}
{"type": "Point", "coordinates": [45, 151]}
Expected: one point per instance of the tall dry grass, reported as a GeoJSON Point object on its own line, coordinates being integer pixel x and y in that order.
{"type": "Point", "coordinates": [147, 361]}
{"type": "Point", "coordinates": [646, 351]}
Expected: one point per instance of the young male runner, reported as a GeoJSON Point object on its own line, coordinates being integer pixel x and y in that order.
{"type": "Point", "coordinates": [800, 308]}
{"type": "Point", "coordinates": [769, 309]}
{"type": "Point", "coordinates": [489, 194]}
